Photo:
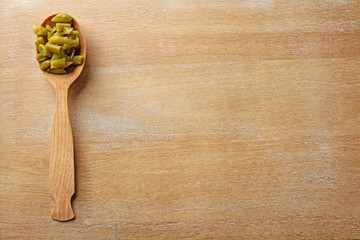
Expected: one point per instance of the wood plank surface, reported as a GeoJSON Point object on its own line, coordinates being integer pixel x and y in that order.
{"type": "Point", "coordinates": [191, 120]}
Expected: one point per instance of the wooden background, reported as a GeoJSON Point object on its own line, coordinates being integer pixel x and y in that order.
{"type": "Point", "coordinates": [191, 120]}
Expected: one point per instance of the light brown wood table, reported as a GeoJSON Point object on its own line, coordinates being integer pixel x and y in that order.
{"type": "Point", "coordinates": [192, 119]}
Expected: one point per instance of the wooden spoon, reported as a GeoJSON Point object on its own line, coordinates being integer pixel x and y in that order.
{"type": "Point", "coordinates": [62, 176]}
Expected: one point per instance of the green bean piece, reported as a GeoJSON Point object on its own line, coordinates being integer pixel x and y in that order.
{"type": "Point", "coordinates": [61, 40]}
{"type": "Point", "coordinates": [56, 70]}
{"type": "Point", "coordinates": [58, 63]}
{"type": "Point", "coordinates": [53, 48]}
{"type": "Point", "coordinates": [75, 43]}
{"type": "Point", "coordinates": [43, 51]}
{"type": "Point", "coordinates": [67, 30]}
{"type": "Point", "coordinates": [49, 34]}
{"type": "Point", "coordinates": [60, 26]}
{"type": "Point", "coordinates": [72, 53]}
{"type": "Point", "coordinates": [48, 28]}
{"type": "Point", "coordinates": [41, 58]}
{"type": "Point", "coordinates": [62, 17]}
{"type": "Point", "coordinates": [56, 56]}
{"type": "Point", "coordinates": [78, 59]}
{"type": "Point", "coordinates": [68, 64]}
{"type": "Point", "coordinates": [74, 33]}
{"type": "Point", "coordinates": [44, 64]}
{"type": "Point", "coordinates": [39, 30]}
{"type": "Point", "coordinates": [39, 40]}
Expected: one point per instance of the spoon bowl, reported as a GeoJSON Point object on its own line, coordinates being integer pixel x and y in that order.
{"type": "Point", "coordinates": [61, 167]}
{"type": "Point", "coordinates": [70, 77]}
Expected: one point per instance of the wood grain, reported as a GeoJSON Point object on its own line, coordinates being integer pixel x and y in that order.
{"type": "Point", "coordinates": [191, 120]}
{"type": "Point", "coordinates": [61, 166]}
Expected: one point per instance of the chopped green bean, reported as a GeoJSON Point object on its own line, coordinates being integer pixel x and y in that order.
{"type": "Point", "coordinates": [75, 43]}
{"type": "Point", "coordinates": [72, 53]}
{"type": "Point", "coordinates": [60, 26]}
{"type": "Point", "coordinates": [43, 51]}
{"type": "Point", "coordinates": [68, 64]}
{"type": "Point", "coordinates": [74, 33]}
{"type": "Point", "coordinates": [56, 70]}
{"type": "Point", "coordinates": [58, 63]}
{"type": "Point", "coordinates": [67, 30]}
{"type": "Point", "coordinates": [44, 65]}
{"type": "Point", "coordinates": [41, 58]}
{"type": "Point", "coordinates": [39, 40]}
{"type": "Point", "coordinates": [78, 59]}
{"type": "Point", "coordinates": [53, 48]}
{"type": "Point", "coordinates": [49, 34]}
{"type": "Point", "coordinates": [56, 56]}
{"type": "Point", "coordinates": [62, 18]}
{"type": "Point", "coordinates": [39, 30]}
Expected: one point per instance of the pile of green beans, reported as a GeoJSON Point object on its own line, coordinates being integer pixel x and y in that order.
{"type": "Point", "coordinates": [58, 46]}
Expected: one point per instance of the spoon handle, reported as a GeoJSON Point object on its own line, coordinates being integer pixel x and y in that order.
{"type": "Point", "coordinates": [62, 178]}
